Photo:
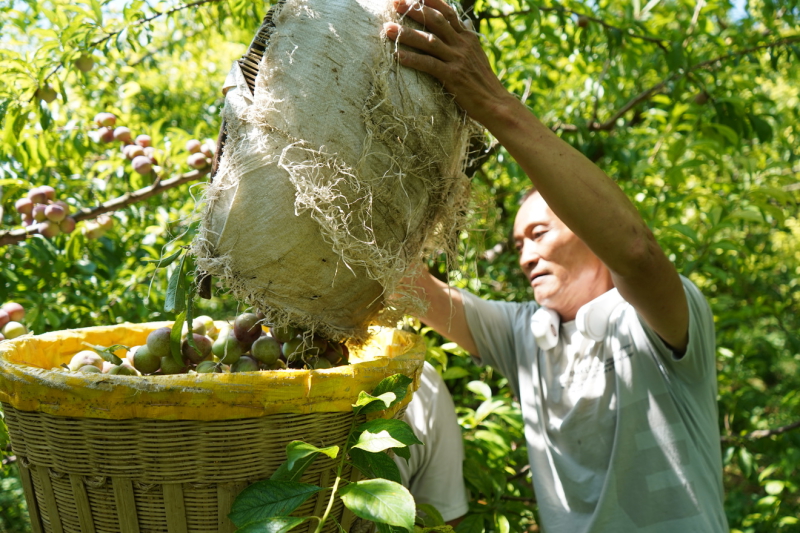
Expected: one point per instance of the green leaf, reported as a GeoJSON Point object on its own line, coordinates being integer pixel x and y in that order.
{"type": "Point", "coordinates": [375, 465]}
{"type": "Point", "coordinates": [108, 353]}
{"type": "Point", "coordinates": [480, 389]}
{"type": "Point", "coordinates": [455, 372]}
{"type": "Point", "coordinates": [683, 229]}
{"type": "Point", "coordinates": [175, 338]}
{"type": "Point", "coordinates": [433, 518]}
{"type": "Point", "coordinates": [298, 449]}
{"type": "Point", "coordinates": [176, 290]}
{"type": "Point", "coordinates": [472, 523]}
{"type": "Point", "coordinates": [276, 524]}
{"type": "Point", "coordinates": [380, 500]}
{"type": "Point", "coordinates": [269, 499]}
{"type": "Point", "coordinates": [284, 473]}
{"type": "Point", "coordinates": [397, 383]}
{"type": "Point", "coordinates": [368, 403]}
{"type": "Point", "coordinates": [165, 261]}
{"type": "Point", "coordinates": [381, 434]}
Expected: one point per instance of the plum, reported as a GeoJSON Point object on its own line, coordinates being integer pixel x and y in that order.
{"type": "Point", "coordinates": [105, 119]}
{"type": "Point", "coordinates": [158, 342]}
{"type": "Point", "coordinates": [142, 164]}
{"type": "Point", "coordinates": [122, 134]}
{"type": "Point", "coordinates": [84, 63]}
{"type": "Point", "coordinates": [15, 311]}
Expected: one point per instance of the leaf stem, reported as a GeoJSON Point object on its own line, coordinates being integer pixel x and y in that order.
{"type": "Point", "coordinates": [338, 477]}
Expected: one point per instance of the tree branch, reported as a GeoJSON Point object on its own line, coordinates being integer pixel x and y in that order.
{"type": "Point", "coordinates": [647, 93]}
{"type": "Point", "coordinates": [18, 235]}
{"type": "Point", "coordinates": [108, 36]}
{"type": "Point", "coordinates": [660, 42]}
{"type": "Point", "coordinates": [760, 433]}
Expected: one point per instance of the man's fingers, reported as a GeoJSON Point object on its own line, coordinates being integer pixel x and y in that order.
{"type": "Point", "coordinates": [433, 20]}
{"type": "Point", "coordinates": [428, 64]}
{"type": "Point", "coordinates": [423, 41]}
{"type": "Point", "coordinates": [447, 12]}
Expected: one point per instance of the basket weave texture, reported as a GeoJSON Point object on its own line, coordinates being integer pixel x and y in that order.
{"type": "Point", "coordinates": [110, 473]}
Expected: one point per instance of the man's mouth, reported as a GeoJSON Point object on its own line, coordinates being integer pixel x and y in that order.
{"type": "Point", "coordinates": [537, 275]}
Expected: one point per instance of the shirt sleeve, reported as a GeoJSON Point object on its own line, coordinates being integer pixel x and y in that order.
{"type": "Point", "coordinates": [493, 327]}
{"type": "Point", "coordinates": [699, 360]}
{"type": "Point", "coordinates": [434, 474]}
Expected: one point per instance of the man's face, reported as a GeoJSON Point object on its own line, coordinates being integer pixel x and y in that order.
{"type": "Point", "coordinates": [564, 273]}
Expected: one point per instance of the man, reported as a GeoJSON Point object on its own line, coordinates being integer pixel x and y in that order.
{"type": "Point", "coordinates": [620, 413]}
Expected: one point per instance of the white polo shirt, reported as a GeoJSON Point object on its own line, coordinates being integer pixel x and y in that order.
{"type": "Point", "coordinates": [622, 435]}
{"type": "Point", "coordinates": [434, 474]}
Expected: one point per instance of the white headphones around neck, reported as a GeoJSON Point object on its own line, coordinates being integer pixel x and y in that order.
{"type": "Point", "coordinates": [591, 320]}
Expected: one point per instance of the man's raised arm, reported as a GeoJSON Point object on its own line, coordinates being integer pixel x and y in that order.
{"type": "Point", "coordinates": [577, 191]}
{"type": "Point", "coordinates": [445, 312]}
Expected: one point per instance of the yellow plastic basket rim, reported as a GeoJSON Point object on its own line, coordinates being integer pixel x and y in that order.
{"type": "Point", "coordinates": [28, 383]}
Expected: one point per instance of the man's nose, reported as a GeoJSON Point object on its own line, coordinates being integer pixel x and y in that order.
{"type": "Point", "coordinates": [529, 255]}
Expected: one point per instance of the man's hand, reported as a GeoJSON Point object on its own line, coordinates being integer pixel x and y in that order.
{"type": "Point", "coordinates": [451, 52]}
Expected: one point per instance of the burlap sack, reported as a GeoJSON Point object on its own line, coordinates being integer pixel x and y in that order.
{"type": "Point", "coordinates": [340, 170]}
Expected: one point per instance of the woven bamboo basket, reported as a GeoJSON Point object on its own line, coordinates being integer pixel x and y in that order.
{"type": "Point", "coordinates": [100, 453]}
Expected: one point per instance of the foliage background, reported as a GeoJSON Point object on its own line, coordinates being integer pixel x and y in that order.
{"type": "Point", "coordinates": [690, 106]}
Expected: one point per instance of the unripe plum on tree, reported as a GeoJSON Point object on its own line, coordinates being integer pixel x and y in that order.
{"type": "Point", "coordinates": [701, 98]}
{"type": "Point", "coordinates": [84, 63]}
{"type": "Point", "coordinates": [27, 220]}
{"type": "Point", "coordinates": [92, 230]}
{"type": "Point", "coordinates": [203, 344]}
{"type": "Point", "coordinates": [4, 318]}
{"type": "Point", "coordinates": [67, 225]}
{"type": "Point", "coordinates": [142, 164]}
{"type": "Point", "coordinates": [247, 328]}
{"type": "Point", "coordinates": [39, 212]}
{"type": "Point", "coordinates": [15, 311]}
{"type": "Point", "coordinates": [55, 213]}
{"type": "Point", "coordinates": [245, 364]}
{"type": "Point", "coordinates": [46, 93]}
{"type": "Point", "coordinates": [207, 150]}
{"type": "Point", "coordinates": [37, 195]}
{"type": "Point", "coordinates": [105, 119]}
{"type": "Point", "coordinates": [158, 342]}
{"type": "Point", "coordinates": [197, 160]}
{"type": "Point", "coordinates": [49, 229]}
{"type": "Point", "coordinates": [85, 357]}
{"type": "Point", "coordinates": [143, 141]}
{"type": "Point", "coordinates": [24, 206]}
{"type": "Point", "coordinates": [145, 361]}
{"type": "Point", "coordinates": [122, 134]}
{"type": "Point", "coordinates": [106, 222]}
{"type": "Point", "coordinates": [266, 350]}
{"type": "Point", "coordinates": [105, 135]}
{"type": "Point", "coordinates": [193, 146]}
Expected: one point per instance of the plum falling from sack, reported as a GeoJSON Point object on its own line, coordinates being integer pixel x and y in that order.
{"type": "Point", "coordinates": [340, 169]}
